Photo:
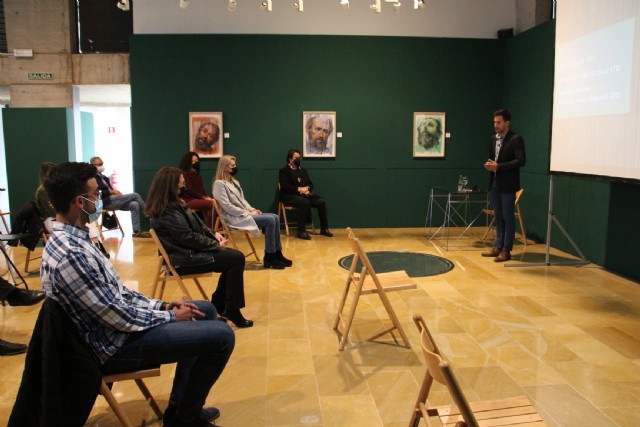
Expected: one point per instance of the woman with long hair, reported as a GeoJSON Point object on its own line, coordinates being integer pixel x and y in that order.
{"type": "Point", "coordinates": [194, 195]}
{"type": "Point", "coordinates": [240, 215]}
{"type": "Point", "coordinates": [192, 247]}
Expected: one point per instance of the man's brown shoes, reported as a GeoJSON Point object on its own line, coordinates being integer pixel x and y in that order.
{"type": "Point", "coordinates": [492, 253]}
{"type": "Point", "coordinates": [504, 256]}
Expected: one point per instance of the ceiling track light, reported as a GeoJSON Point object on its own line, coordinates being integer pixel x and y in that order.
{"type": "Point", "coordinates": [123, 5]}
{"type": "Point", "coordinates": [376, 7]}
{"type": "Point", "coordinates": [418, 4]}
{"type": "Point", "coordinates": [344, 4]}
{"type": "Point", "coordinates": [396, 7]}
{"type": "Point", "coordinates": [299, 5]}
{"type": "Point", "coordinates": [267, 6]}
{"type": "Point", "coordinates": [233, 4]}
{"type": "Point", "coordinates": [184, 4]}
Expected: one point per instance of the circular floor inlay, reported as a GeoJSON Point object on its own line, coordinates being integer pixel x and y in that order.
{"type": "Point", "coordinates": [414, 263]}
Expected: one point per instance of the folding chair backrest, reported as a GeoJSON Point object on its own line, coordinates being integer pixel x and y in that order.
{"type": "Point", "coordinates": [440, 371]}
{"type": "Point", "coordinates": [163, 252]}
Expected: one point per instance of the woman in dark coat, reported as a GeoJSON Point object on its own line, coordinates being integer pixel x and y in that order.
{"type": "Point", "coordinates": [192, 247]}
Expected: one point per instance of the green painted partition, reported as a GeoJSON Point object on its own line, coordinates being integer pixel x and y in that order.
{"type": "Point", "coordinates": [32, 136]}
{"type": "Point", "coordinates": [262, 84]}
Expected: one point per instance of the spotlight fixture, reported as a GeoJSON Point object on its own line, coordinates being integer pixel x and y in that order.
{"type": "Point", "coordinates": [267, 6]}
{"type": "Point", "coordinates": [396, 7]}
{"type": "Point", "coordinates": [184, 4]}
{"type": "Point", "coordinates": [123, 5]}
{"type": "Point", "coordinates": [344, 4]}
{"type": "Point", "coordinates": [376, 7]}
{"type": "Point", "coordinates": [233, 4]}
{"type": "Point", "coordinates": [299, 5]}
{"type": "Point", "coordinates": [418, 4]}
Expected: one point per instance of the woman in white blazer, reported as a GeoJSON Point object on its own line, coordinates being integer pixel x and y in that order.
{"type": "Point", "coordinates": [240, 215]}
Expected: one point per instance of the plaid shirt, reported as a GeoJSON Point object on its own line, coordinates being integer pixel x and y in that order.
{"type": "Point", "coordinates": [85, 284]}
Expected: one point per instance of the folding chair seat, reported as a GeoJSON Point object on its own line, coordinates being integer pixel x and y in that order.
{"type": "Point", "coordinates": [137, 376]}
{"type": "Point", "coordinates": [165, 272]}
{"type": "Point", "coordinates": [222, 228]}
{"type": "Point", "coordinates": [518, 214]}
{"type": "Point", "coordinates": [516, 411]}
{"type": "Point", "coordinates": [282, 213]}
{"type": "Point", "coordinates": [369, 282]}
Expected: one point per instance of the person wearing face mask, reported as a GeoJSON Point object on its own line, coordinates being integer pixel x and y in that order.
{"type": "Point", "coordinates": [296, 189]}
{"type": "Point", "coordinates": [122, 328]}
{"type": "Point", "coordinates": [194, 195]}
{"type": "Point", "coordinates": [193, 247]}
{"type": "Point", "coordinates": [114, 200]}
{"type": "Point", "coordinates": [240, 215]}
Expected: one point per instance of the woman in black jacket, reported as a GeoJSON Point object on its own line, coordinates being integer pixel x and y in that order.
{"type": "Point", "coordinates": [192, 247]}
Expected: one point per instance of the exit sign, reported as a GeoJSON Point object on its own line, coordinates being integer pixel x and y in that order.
{"type": "Point", "coordinates": [40, 76]}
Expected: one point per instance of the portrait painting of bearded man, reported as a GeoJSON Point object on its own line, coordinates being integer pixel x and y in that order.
{"type": "Point", "coordinates": [205, 134]}
{"type": "Point", "coordinates": [318, 134]}
{"type": "Point", "coordinates": [428, 134]}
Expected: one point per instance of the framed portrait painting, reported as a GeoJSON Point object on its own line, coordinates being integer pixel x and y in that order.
{"type": "Point", "coordinates": [319, 134]}
{"type": "Point", "coordinates": [428, 134]}
{"type": "Point", "coordinates": [205, 134]}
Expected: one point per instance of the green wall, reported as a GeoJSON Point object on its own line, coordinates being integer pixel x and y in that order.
{"type": "Point", "coordinates": [262, 84]}
{"type": "Point", "coordinates": [33, 136]}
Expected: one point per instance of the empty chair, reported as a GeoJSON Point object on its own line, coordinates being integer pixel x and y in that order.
{"type": "Point", "coordinates": [516, 411]}
{"type": "Point", "coordinates": [166, 272]}
{"type": "Point", "coordinates": [366, 282]}
{"type": "Point", "coordinates": [518, 214]}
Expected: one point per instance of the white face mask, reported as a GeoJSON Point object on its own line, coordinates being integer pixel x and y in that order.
{"type": "Point", "coordinates": [100, 169]}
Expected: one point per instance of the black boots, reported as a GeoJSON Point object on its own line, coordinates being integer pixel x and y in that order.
{"type": "Point", "coordinates": [276, 260]}
{"type": "Point", "coordinates": [285, 261]}
{"type": "Point", "coordinates": [237, 318]}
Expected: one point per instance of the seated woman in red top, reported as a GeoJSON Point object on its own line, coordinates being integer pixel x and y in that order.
{"type": "Point", "coordinates": [194, 195]}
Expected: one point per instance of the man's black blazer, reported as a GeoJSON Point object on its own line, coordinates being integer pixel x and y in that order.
{"type": "Point", "coordinates": [511, 158]}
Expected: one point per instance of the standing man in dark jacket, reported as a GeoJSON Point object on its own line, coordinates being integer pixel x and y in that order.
{"type": "Point", "coordinates": [296, 190]}
{"type": "Point", "coordinates": [114, 200]}
{"type": "Point", "coordinates": [506, 157]}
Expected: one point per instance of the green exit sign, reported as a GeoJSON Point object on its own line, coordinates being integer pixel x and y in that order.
{"type": "Point", "coordinates": [40, 76]}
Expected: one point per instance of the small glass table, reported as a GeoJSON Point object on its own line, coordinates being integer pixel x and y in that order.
{"type": "Point", "coordinates": [458, 209]}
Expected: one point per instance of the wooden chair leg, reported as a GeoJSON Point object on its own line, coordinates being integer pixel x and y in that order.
{"type": "Point", "coordinates": [253, 248]}
{"type": "Point", "coordinates": [147, 394]}
{"type": "Point", "coordinates": [154, 287]}
{"type": "Point", "coordinates": [204, 295]}
{"type": "Point", "coordinates": [115, 406]}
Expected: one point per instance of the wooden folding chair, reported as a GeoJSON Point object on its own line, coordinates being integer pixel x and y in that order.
{"type": "Point", "coordinates": [365, 283]}
{"type": "Point", "coordinates": [31, 252]}
{"type": "Point", "coordinates": [282, 213]}
{"type": "Point", "coordinates": [107, 384]}
{"type": "Point", "coordinates": [222, 228]}
{"type": "Point", "coordinates": [518, 214]}
{"type": "Point", "coordinates": [166, 272]}
{"type": "Point", "coordinates": [7, 230]}
{"type": "Point", "coordinates": [516, 411]}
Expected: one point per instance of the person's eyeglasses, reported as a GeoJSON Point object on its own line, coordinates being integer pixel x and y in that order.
{"type": "Point", "coordinates": [97, 195]}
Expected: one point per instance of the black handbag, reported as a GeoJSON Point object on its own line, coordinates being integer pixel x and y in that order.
{"type": "Point", "coordinates": [109, 221]}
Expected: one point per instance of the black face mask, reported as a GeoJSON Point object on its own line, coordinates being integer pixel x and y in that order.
{"type": "Point", "coordinates": [181, 191]}
{"type": "Point", "coordinates": [297, 162]}
{"type": "Point", "coordinates": [196, 166]}
{"type": "Point", "coordinates": [234, 171]}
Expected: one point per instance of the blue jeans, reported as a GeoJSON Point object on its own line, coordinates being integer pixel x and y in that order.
{"type": "Point", "coordinates": [504, 205]}
{"type": "Point", "coordinates": [127, 202]}
{"type": "Point", "coordinates": [271, 225]}
{"type": "Point", "coordinates": [201, 349]}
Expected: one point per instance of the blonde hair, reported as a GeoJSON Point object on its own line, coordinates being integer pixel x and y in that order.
{"type": "Point", "coordinates": [221, 173]}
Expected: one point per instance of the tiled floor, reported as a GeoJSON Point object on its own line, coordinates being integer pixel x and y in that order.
{"type": "Point", "coordinates": [567, 337]}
